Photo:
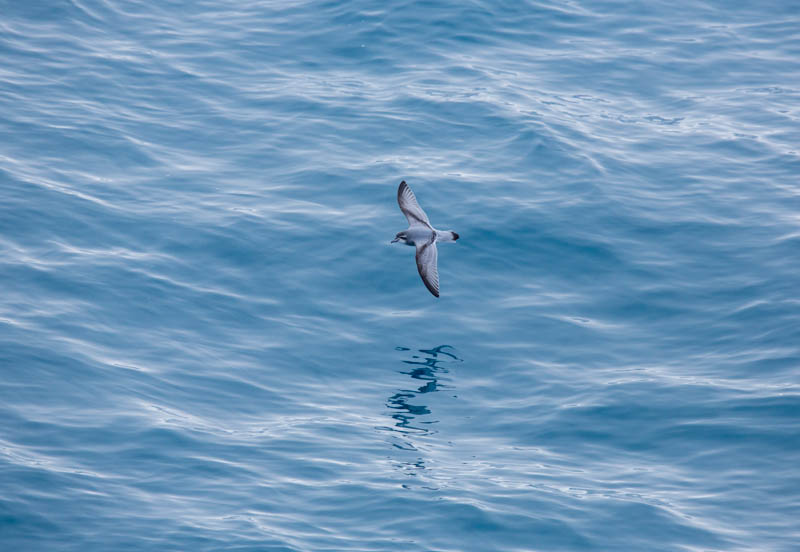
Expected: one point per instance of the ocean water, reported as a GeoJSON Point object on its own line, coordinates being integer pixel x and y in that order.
{"type": "Point", "coordinates": [207, 342]}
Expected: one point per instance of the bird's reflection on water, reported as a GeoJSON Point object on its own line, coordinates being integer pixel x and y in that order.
{"type": "Point", "coordinates": [413, 420]}
{"type": "Point", "coordinates": [428, 371]}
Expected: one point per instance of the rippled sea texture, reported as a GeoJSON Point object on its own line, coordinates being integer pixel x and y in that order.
{"type": "Point", "coordinates": [207, 342]}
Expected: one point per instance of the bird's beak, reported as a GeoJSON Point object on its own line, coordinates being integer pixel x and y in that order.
{"type": "Point", "coordinates": [395, 240]}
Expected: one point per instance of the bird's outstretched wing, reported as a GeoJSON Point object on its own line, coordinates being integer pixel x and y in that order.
{"type": "Point", "coordinates": [427, 261]}
{"type": "Point", "coordinates": [410, 207]}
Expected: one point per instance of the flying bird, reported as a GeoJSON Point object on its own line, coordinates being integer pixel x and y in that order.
{"type": "Point", "coordinates": [423, 236]}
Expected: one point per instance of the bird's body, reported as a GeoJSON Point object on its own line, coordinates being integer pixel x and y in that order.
{"type": "Point", "coordinates": [423, 236]}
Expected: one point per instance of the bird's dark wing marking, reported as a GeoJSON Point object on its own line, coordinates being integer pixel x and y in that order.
{"type": "Point", "coordinates": [410, 207]}
{"type": "Point", "coordinates": [427, 261]}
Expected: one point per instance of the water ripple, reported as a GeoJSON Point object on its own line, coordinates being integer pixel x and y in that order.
{"type": "Point", "coordinates": [201, 312]}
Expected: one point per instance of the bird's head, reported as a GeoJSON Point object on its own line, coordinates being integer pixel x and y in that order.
{"type": "Point", "coordinates": [400, 236]}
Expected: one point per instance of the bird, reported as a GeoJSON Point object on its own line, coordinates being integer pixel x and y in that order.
{"type": "Point", "coordinates": [423, 236]}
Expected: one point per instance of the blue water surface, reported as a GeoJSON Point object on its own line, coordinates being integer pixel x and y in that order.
{"type": "Point", "coordinates": [208, 344]}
